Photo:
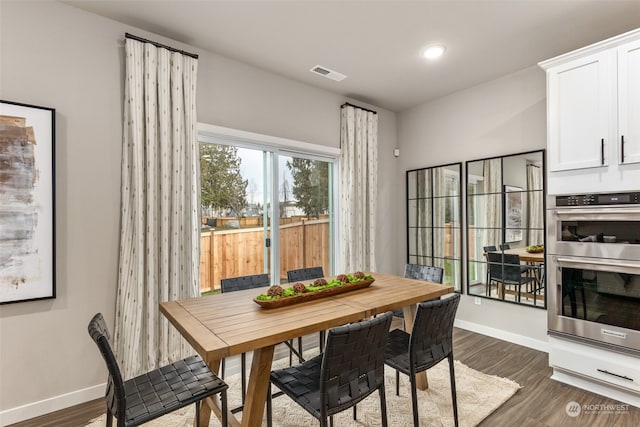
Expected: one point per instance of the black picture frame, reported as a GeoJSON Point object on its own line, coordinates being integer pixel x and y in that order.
{"type": "Point", "coordinates": [27, 202]}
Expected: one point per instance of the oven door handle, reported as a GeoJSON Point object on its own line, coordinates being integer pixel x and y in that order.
{"type": "Point", "coordinates": [579, 212]}
{"type": "Point", "coordinates": [608, 266]}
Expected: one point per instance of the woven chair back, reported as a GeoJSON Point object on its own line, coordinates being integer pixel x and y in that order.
{"type": "Point", "coordinates": [432, 334]}
{"type": "Point", "coordinates": [353, 362]}
{"type": "Point", "coordinates": [423, 272]}
{"type": "Point", "coordinates": [115, 395]}
{"type": "Point", "coordinates": [304, 274]}
{"type": "Point", "coordinates": [241, 283]}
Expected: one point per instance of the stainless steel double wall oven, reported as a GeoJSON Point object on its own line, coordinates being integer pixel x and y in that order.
{"type": "Point", "coordinates": [593, 251]}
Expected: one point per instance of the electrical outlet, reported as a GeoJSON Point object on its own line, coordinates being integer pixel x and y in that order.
{"type": "Point", "coordinates": [477, 300]}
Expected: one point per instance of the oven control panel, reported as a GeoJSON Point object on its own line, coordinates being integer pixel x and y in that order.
{"type": "Point", "coordinates": [630, 198]}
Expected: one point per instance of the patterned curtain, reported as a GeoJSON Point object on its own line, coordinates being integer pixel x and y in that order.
{"type": "Point", "coordinates": [535, 226]}
{"type": "Point", "coordinates": [358, 188]}
{"type": "Point", "coordinates": [160, 225]}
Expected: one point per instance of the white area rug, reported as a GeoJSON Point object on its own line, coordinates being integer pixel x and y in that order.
{"type": "Point", "coordinates": [478, 396]}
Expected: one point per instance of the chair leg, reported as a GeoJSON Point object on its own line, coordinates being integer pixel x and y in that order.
{"type": "Point", "coordinates": [243, 375]}
{"type": "Point", "coordinates": [269, 407]}
{"type": "Point", "coordinates": [290, 353]}
{"type": "Point", "coordinates": [454, 399]}
{"type": "Point", "coordinates": [224, 408]}
{"type": "Point", "coordinates": [383, 405]}
{"type": "Point", "coordinates": [109, 418]}
{"type": "Point", "coordinates": [414, 400]}
{"type": "Point", "coordinates": [397, 383]}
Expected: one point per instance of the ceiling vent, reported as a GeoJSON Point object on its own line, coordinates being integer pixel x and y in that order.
{"type": "Point", "coordinates": [330, 74]}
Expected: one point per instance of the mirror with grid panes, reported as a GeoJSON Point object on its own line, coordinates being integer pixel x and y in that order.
{"type": "Point", "coordinates": [505, 228]}
{"type": "Point", "coordinates": [434, 219]}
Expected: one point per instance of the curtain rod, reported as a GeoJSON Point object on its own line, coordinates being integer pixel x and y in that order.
{"type": "Point", "coordinates": [346, 104]}
{"type": "Point", "coordinates": [156, 44]}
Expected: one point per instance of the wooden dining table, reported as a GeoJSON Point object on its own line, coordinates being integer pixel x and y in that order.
{"type": "Point", "coordinates": [531, 257]}
{"type": "Point", "coordinates": [223, 325]}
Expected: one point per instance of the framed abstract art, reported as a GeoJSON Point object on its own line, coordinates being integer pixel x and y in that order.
{"type": "Point", "coordinates": [27, 204]}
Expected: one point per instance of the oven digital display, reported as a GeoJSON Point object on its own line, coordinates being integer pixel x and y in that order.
{"type": "Point", "coordinates": [614, 198]}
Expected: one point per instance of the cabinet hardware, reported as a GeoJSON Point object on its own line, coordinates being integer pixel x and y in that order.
{"type": "Point", "coordinates": [624, 377]}
{"type": "Point", "coordinates": [602, 151]}
{"type": "Point", "coordinates": [622, 148]}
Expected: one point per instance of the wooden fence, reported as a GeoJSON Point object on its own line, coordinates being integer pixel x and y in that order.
{"type": "Point", "coordinates": [232, 253]}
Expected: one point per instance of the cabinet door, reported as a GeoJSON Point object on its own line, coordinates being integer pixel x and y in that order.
{"type": "Point", "coordinates": [629, 102]}
{"type": "Point", "coordinates": [579, 112]}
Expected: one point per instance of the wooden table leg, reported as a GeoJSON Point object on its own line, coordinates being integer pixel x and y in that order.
{"type": "Point", "coordinates": [409, 313]}
{"type": "Point", "coordinates": [257, 387]}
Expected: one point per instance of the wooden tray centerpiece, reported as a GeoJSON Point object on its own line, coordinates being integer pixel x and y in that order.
{"type": "Point", "coordinates": [277, 296]}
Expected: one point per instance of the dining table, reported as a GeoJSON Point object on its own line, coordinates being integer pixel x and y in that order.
{"type": "Point", "coordinates": [222, 325]}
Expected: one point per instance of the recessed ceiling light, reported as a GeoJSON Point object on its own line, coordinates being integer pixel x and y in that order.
{"type": "Point", "coordinates": [433, 52]}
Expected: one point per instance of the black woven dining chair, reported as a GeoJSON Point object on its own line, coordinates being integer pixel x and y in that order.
{"type": "Point", "coordinates": [420, 272]}
{"type": "Point", "coordinates": [350, 369]}
{"type": "Point", "coordinates": [430, 342]}
{"type": "Point", "coordinates": [158, 392]}
{"type": "Point", "coordinates": [302, 274]}
{"type": "Point", "coordinates": [241, 283]}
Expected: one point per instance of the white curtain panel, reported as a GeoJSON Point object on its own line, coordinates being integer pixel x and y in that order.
{"type": "Point", "coordinates": [358, 188]}
{"type": "Point", "coordinates": [492, 181]}
{"type": "Point", "coordinates": [439, 208]}
{"type": "Point", "coordinates": [535, 206]}
{"type": "Point", "coordinates": [160, 224]}
{"type": "Point", "coordinates": [425, 221]}
{"type": "Point", "coordinates": [492, 173]}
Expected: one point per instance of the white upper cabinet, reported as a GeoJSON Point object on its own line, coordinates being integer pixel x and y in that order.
{"type": "Point", "coordinates": [580, 107]}
{"type": "Point", "coordinates": [629, 102]}
{"type": "Point", "coordinates": [593, 117]}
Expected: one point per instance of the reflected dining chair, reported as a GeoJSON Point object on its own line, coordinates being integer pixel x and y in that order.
{"type": "Point", "coordinates": [429, 343]}
{"type": "Point", "coordinates": [350, 368]}
{"type": "Point", "coordinates": [302, 274]}
{"type": "Point", "coordinates": [487, 286]}
{"type": "Point", "coordinates": [421, 272]}
{"type": "Point", "coordinates": [158, 392]}
{"type": "Point", "coordinates": [505, 270]}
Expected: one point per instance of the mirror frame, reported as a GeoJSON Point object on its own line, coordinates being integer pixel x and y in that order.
{"type": "Point", "coordinates": [503, 191]}
{"type": "Point", "coordinates": [460, 216]}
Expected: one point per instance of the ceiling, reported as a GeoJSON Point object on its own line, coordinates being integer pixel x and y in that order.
{"type": "Point", "coordinates": [377, 44]}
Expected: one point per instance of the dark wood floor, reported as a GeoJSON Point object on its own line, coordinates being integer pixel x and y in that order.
{"type": "Point", "coordinates": [540, 402]}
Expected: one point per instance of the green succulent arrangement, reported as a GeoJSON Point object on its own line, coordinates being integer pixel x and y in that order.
{"type": "Point", "coordinates": [276, 291]}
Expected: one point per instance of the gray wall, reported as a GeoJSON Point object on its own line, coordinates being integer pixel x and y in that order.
{"type": "Point", "coordinates": [504, 116]}
{"type": "Point", "coordinates": [57, 56]}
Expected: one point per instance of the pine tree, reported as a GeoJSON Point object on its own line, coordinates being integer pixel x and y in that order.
{"type": "Point", "coordinates": [310, 185]}
{"type": "Point", "coordinates": [222, 186]}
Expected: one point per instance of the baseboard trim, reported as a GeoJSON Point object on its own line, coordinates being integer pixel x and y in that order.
{"type": "Point", "coordinates": [503, 335]}
{"type": "Point", "coordinates": [52, 404]}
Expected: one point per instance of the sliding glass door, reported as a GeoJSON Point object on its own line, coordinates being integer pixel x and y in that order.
{"type": "Point", "coordinates": [264, 210]}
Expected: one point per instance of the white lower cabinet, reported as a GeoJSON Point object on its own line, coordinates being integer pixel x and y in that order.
{"type": "Point", "coordinates": [612, 374]}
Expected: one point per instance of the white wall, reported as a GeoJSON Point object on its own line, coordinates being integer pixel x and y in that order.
{"type": "Point", "coordinates": [504, 116]}
{"type": "Point", "coordinates": [57, 56]}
